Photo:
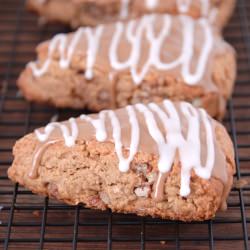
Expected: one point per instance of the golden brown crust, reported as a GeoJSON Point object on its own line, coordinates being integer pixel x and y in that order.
{"type": "Point", "coordinates": [89, 174]}
{"type": "Point", "coordinates": [88, 12]}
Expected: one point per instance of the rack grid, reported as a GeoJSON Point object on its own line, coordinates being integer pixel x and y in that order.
{"type": "Point", "coordinates": [28, 221]}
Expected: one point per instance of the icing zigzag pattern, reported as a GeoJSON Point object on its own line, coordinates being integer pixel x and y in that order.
{"type": "Point", "coordinates": [168, 141]}
{"type": "Point", "coordinates": [134, 31]}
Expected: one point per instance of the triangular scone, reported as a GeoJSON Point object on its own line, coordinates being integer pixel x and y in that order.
{"type": "Point", "coordinates": [149, 59]}
{"type": "Point", "coordinates": [93, 12]}
{"type": "Point", "coordinates": [168, 160]}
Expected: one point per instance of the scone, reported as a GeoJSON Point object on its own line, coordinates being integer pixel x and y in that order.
{"type": "Point", "coordinates": [167, 160]}
{"type": "Point", "coordinates": [144, 60]}
{"type": "Point", "coordinates": [93, 12]}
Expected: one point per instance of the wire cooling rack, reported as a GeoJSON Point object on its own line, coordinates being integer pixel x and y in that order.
{"type": "Point", "coordinates": [32, 222]}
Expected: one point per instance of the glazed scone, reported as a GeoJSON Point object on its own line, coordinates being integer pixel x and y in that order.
{"type": "Point", "coordinates": [167, 160]}
{"type": "Point", "coordinates": [144, 60]}
{"type": "Point", "coordinates": [93, 12]}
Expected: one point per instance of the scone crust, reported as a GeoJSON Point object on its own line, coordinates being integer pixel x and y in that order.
{"type": "Point", "coordinates": [88, 174]}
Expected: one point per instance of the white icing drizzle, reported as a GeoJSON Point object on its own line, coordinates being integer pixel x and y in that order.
{"type": "Point", "coordinates": [125, 163]}
{"type": "Point", "coordinates": [156, 43]}
{"type": "Point", "coordinates": [93, 46]}
{"type": "Point", "coordinates": [187, 53]}
{"type": "Point", "coordinates": [189, 148]}
{"type": "Point", "coordinates": [69, 137]}
{"type": "Point", "coordinates": [132, 62]}
{"type": "Point", "coordinates": [168, 141]}
{"type": "Point", "coordinates": [124, 9]}
{"type": "Point", "coordinates": [183, 5]}
{"type": "Point", "coordinates": [134, 31]}
{"type": "Point", "coordinates": [98, 124]}
{"type": "Point", "coordinates": [101, 134]}
{"type": "Point", "coordinates": [151, 4]}
{"type": "Point", "coordinates": [93, 38]}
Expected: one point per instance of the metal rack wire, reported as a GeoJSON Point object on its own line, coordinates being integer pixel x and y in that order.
{"type": "Point", "coordinates": [32, 222]}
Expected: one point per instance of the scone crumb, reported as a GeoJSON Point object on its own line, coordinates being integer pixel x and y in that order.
{"type": "Point", "coordinates": [142, 191]}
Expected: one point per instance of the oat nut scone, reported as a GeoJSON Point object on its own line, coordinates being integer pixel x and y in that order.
{"type": "Point", "coordinates": [145, 60]}
{"type": "Point", "coordinates": [167, 160]}
{"type": "Point", "coordinates": [93, 12]}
